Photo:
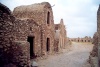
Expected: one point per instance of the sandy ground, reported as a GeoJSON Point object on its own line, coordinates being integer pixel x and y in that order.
{"type": "Point", "coordinates": [75, 56]}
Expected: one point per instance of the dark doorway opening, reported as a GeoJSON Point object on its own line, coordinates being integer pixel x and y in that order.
{"type": "Point", "coordinates": [82, 40]}
{"type": "Point", "coordinates": [88, 40]}
{"type": "Point", "coordinates": [48, 18]}
{"type": "Point", "coordinates": [85, 40]}
{"type": "Point", "coordinates": [78, 40]}
{"type": "Point", "coordinates": [48, 44]}
{"type": "Point", "coordinates": [31, 41]}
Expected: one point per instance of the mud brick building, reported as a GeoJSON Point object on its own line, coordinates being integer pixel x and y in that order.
{"type": "Point", "coordinates": [28, 32]}
{"type": "Point", "coordinates": [23, 38]}
{"type": "Point", "coordinates": [27, 43]}
{"type": "Point", "coordinates": [42, 14]}
{"type": "Point", "coordinates": [60, 36]}
{"type": "Point", "coordinates": [16, 39]}
{"type": "Point", "coordinates": [85, 39]}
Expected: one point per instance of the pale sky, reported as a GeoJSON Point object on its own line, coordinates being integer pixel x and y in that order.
{"type": "Point", "coordinates": [80, 16]}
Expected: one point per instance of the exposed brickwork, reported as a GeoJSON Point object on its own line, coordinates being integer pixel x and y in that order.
{"type": "Point", "coordinates": [85, 39]}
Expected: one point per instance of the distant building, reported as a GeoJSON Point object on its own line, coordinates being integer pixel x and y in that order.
{"type": "Point", "coordinates": [85, 39]}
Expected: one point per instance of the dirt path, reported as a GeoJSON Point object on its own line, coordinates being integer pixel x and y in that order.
{"type": "Point", "coordinates": [75, 56]}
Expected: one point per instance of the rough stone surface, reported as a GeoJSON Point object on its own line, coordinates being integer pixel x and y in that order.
{"type": "Point", "coordinates": [42, 14]}
{"type": "Point", "coordinates": [60, 36]}
{"type": "Point", "coordinates": [94, 52]}
{"type": "Point", "coordinates": [94, 61]}
{"type": "Point", "coordinates": [14, 33]}
{"type": "Point", "coordinates": [98, 30]}
{"type": "Point", "coordinates": [27, 34]}
{"type": "Point", "coordinates": [6, 35]}
{"type": "Point", "coordinates": [27, 28]}
{"type": "Point", "coordinates": [94, 58]}
{"type": "Point", "coordinates": [21, 56]}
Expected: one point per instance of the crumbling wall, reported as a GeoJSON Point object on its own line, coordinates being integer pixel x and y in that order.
{"type": "Point", "coordinates": [63, 33]}
{"type": "Point", "coordinates": [24, 28]}
{"type": "Point", "coordinates": [21, 53]}
{"type": "Point", "coordinates": [6, 36]}
{"type": "Point", "coordinates": [8, 46]}
{"type": "Point", "coordinates": [21, 47]}
{"type": "Point", "coordinates": [27, 21]}
{"type": "Point", "coordinates": [14, 33]}
{"type": "Point", "coordinates": [39, 12]}
{"type": "Point", "coordinates": [60, 36]}
{"type": "Point", "coordinates": [57, 44]}
{"type": "Point", "coordinates": [28, 28]}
